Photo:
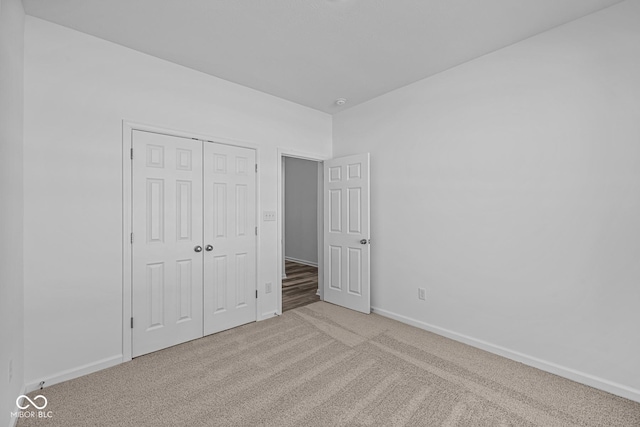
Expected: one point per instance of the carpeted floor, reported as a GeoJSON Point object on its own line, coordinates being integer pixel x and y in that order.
{"type": "Point", "coordinates": [322, 365]}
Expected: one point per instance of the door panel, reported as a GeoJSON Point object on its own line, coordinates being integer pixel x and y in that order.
{"type": "Point", "coordinates": [229, 226]}
{"type": "Point", "coordinates": [167, 225]}
{"type": "Point", "coordinates": [346, 224]}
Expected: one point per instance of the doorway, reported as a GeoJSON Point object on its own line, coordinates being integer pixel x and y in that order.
{"type": "Point", "coordinates": [343, 230]}
{"type": "Point", "coordinates": [301, 231]}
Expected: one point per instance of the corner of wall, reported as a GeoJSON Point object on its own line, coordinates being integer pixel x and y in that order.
{"type": "Point", "coordinates": [11, 208]}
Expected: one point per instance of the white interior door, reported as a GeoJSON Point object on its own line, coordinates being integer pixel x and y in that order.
{"type": "Point", "coordinates": [346, 232]}
{"type": "Point", "coordinates": [167, 226]}
{"type": "Point", "coordinates": [230, 236]}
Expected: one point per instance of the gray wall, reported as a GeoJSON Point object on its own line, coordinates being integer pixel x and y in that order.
{"type": "Point", "coordinates": [11, 205]}
{"type": "Point", "coordinates": [78, 90]}
{"type": "Point", "coordinates": [301, 210]}
{"type": "Point", "coordinates": [509, 188]}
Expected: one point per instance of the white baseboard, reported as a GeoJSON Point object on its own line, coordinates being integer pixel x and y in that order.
{"type": "Point", "coordinates": [70, 374]}
{"type": "Point", "coordinates": [301, 261]}
{"type": "Point", "coordinates": [562, 371]}
{"type": "Point", "coordinates": [14, 420]}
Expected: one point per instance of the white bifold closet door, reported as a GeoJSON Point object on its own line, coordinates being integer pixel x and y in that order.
{"type": "Point", "coordinates": [167, 226]}
{"type": "Point", "coordinates": [230, 227]}
{"type": "Point", "coordinates": [194, 243]}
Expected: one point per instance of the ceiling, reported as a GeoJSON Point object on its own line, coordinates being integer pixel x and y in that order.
{"type": "Point", "coordinates": [314, 51]}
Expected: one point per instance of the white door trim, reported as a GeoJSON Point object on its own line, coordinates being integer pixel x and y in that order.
{"type": "Point", "coordinates": [127, 213]}
{"type": "Point", "coordinates": [283, 239]}
{"type": "Point", "coordinates": [285, 152]}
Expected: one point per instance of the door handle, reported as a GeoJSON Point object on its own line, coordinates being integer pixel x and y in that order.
{"type": "Point", "coordinates": [365, 241]}
{"type": "Point", "coordinates": [208, 248]}
{"type": "Point", "coordinates": [198, 249]}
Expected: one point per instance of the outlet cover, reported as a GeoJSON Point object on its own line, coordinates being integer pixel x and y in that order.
{"type": "Point", "coordinates": [267, 288]}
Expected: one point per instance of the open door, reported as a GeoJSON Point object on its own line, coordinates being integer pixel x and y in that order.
{"type": "Point", "coordinates": [346, 232]}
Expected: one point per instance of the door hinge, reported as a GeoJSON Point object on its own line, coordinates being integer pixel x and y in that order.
{"type": "Point", "coordinates": [256, 231]}
{"type": "Point", "coordinates": [256, 293]}
{"type": "Point", "coordinates": [132, 323]}
{"type": "Point", "coordinates": [131, 238]}
{"type": "Point", "coordinates": [131, 154]}
{"type": "Point", "coordinates": [256, 167]}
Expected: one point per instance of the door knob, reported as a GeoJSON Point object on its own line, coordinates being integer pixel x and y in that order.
{"type": "Point", "coordinates": [208, 248]}
{"type": "Point", "coordinates": [364, 241]}
{"type": "Point", "coordinates": [198, 249]}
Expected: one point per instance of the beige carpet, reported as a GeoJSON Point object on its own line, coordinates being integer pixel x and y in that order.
{"type": "Point", "coordinates": [322, 365]}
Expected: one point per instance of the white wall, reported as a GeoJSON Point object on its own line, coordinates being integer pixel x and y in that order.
{"type": "Point", "coordinates": [301, 210]}
{"type": "Point", "coordinates": [11, 205]}
{"type": "Point", "coordinates": [78, 89]}
{"type": "Point", "coordinates": [509, 187]}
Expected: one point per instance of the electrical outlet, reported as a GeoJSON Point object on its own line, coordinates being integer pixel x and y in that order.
{"type": "Point", "coordinates": [422, 294]}
{"type": "Point", "coordinates": [10, 370]}
{"type": "Point", "coordinates": [268, 215]}
{"type": "Point", "coordinates": [267, 288]}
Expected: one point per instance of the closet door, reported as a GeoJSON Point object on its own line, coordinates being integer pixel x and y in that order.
{"type": "Point", "coordinates": [167, 241]}
{"type": "Point", "coordinates": [229, 236]}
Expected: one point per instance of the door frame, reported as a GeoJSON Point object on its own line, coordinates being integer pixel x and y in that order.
{"type": "Point", "coordinates": [319, 158]}
{"type": "Point", "coordinates": [128, 127]}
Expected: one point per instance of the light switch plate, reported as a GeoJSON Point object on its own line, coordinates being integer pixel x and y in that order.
{"type": "Point", "coordinates": [268, 215]}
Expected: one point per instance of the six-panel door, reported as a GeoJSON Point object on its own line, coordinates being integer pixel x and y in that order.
{"type": "Point", "coordinates": [346, 232]}
{"type": "Point", "coordinates": [167, 226]}
{"type": "Point", "coordinates": [230, 227]}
